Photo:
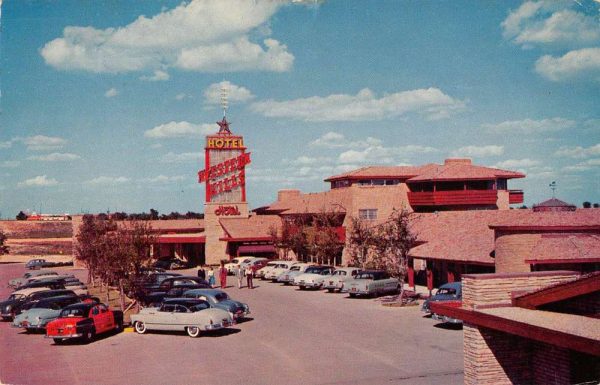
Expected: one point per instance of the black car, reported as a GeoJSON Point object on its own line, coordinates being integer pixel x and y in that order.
{"type": "Point", "coordinates": [54, 284]}
{"type": "Point", "coordinates": [174, 287]}
{"type": "Point", "coordinates": [15, 302]}
{"type": "Point", "coordinates": [170, 264]}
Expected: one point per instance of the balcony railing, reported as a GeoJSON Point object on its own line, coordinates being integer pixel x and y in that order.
{"type": "Point", "coordinates": [458, 197]}
{"type": "Point", "coordinates": [515, 196]}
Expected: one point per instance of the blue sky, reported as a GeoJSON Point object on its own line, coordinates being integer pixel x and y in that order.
{"type": "Point", "coordinates": [105, 104]}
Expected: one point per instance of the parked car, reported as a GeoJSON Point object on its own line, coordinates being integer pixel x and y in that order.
{"type": "Point", "coordinates": [150, 283]}
{"type": "Point", "coordinates": [174, 285]}
{"type": "Point", "coordinates": [235, 263]}
{"type": "Point", "coordinates": [288, 276]}
{"type": "Point", "coordinates": [38, 263]}
{"type": "Point", "coordinates": [36, 297]}
{"type": "Point", "coordinates": [260, 273]}
{"type": "Point", "coordinates": [35, 316]}
{"type": "Point", "coordinates": [50, 283]}
{"type": "Point", "coordinates": [85, 321]}
{"type": "Point", "coordinates": [186, 314]}
{"type": "Point", "coordinates": [219, 299]}
{"type": "Point", "coordinates": [45, 278]}
{"type": "Point", "coordinates": [255, 263]}
{"type": "Point", "coordinates": [278, 269]}
{"type": "Point", "coordinates": [9, 306]}
{"type": "Point", "coordinates": [447, 292]}
{"type": "Point", "coordinates": [371, 283]}
{"type": "Point", "coordinates": [30, 274]}
{"type": "Point", "coordinates": [171, 264]}
{"type": "Point", "coordinates": [313, 277]}
{"type": "Point", "coordinates": [339, 276]}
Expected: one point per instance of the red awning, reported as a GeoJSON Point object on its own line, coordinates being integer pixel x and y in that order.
{"type": "Point", "coordinates": [252, 249]}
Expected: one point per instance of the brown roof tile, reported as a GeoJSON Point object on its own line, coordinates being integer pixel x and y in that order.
{"type": "Point", "coordinates": [256, 226]}
{"type": "Point", "coordinates": [328, 201]}
{"type": "Point", "coordinates": [581, 218]}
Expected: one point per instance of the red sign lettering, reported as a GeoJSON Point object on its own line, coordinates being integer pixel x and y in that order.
{"type": "Point", "coordinates": [226, 167]}
{"type": "Point", "coordinates": [227, 210]}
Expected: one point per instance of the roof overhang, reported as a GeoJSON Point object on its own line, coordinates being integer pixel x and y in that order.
{"type": "Point", "coordinates": [503, 322]}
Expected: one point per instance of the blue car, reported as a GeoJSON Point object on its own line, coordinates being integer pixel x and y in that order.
{"type": "Point", "coordinates": [219, 299]}
{"type": "Point", "coordinates": [447, 292]}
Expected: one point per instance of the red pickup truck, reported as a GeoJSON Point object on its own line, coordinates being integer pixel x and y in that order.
{"type": "Point", "coordinates": [84, 320]}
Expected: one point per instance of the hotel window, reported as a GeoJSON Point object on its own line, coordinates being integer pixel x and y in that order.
{"type": "Point", "coordinates": [367, 214]}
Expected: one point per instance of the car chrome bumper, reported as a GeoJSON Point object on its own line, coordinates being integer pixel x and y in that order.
{"type": "Point", "coordinates": [72, 335]}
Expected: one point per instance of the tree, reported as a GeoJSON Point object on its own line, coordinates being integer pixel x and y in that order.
{"type": "Point", "coordinates": [596, 205]}
{"type": "Point", "coordinates": [89, 246]}
{"type": "Point", "coordinates": [153, 215]}
{"type": "Point", "coordinates": [3, 248]}
{"type": "Point", "coordinates": [587, 205]}
{"type": "Point", "coordinates": [359, 242]}
{"type": "Point", "coordinates": [21, 216]}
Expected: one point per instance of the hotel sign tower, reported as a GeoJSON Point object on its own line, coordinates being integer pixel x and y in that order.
{"type": "Point", "coordinates": [225, 177]}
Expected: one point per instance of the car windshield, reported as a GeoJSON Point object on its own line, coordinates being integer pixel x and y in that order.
{"type": "Point", "coordinates": [221, 297]}
{"type": "Point", "coordinates": [235, 260]}
{"type": "Point", "coordinates": [312, 270]}
{"type": "Point", "coordinates": [272, 264]}
{"type": "Point", "coordinates": [295, 268]}
{"type": "Point", "coordinates": [15, 297]}
{"type": "Point", "coordinates": [446, 290]}
{"type": "Point", "coordinates": [73, 312]}
{"type": "Point", "coordinates": [325, 272]}
{"type": "Point", "coordinates": [364, 276]}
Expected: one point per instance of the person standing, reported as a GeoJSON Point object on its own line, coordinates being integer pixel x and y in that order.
{"type": "Point", "coordinates": [202, 272]}
{"type": "Point", "coordinates": [239, 273]}
{"type": "Point", "coordinates": [223, 275]}
{"type": "Point", "coordinates": [211, 277]}
{"type": "Point", "coordinates": [249, 275]}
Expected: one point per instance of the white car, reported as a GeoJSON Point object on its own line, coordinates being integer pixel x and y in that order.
{"type": "Point", "coordinates": [278, 269]}
{"type": "Point", "coordinates": [186, 314]}
{"type": "Point", "coordinates": [339, 276]}
{"type": "Point", "coordinates": [236, 262]}
{"type": "Point", "coordinates": [288, 276]}
{"type": "Point", "coordinates": [260, 273]}
{"type": "Point", "coordinates": [313, 277]}
{"type": "Point", "coordinates": [30, 275]}
{"type": "Point", "coordinates": [371, 283]}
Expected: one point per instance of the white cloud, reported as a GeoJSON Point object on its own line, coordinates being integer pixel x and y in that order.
{"type": "Point", "coordinates": [379, 154]}
{"type": "Point", "coordinates": [161, 179]}
{"type": "Point", "coordinates": [111, 93]}
{"type": "Point", "coordinates": [108, 180]}
{"type": "Point", "coordinates": [183, 157]}
{"type": "Point", "coordinates": [7, 144]}
{"type": "Point", "coordinates": [181, 96]}
{"type": "Point", "coordinates": [587, 165]}
{"type": "Point", "coordinates": [430, 102]}
{"type": "Point", "coordinates": [550, 22]}
{"type": "Point", "coordinates": [38, 181]}
{"type": "Point", "coordinates": [235, 93]}
{"type": "Point", "coordinates": [10, 164]}
{"type": "Point", "coordinates": [513, 164]}
{"type": "Point", "coordinates": [336, 140]}
{"type": "Point", "coordinates": [180, 130]}
{"type": "Point", "coordinates": [530, 126]}
{"type": "Point", "coordinates": [200, 35]}
{"type": "Point", "coordinates": [158, 76]}
{"type": "Point", "coordinates": [43, 143]}
{"type": "Point", "coordinates": [579, 63]}
{"type": "Point", "coordinates": [308, 160]}
{"type": "Point", "coordinates": [578, 151]}
{"type": "Point", "coordinates": [479, 151]}
{"type": "Point", "coordinates": [55, 157]}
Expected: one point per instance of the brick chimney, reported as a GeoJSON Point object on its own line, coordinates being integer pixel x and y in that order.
{"type": "Point", "coordinates": [284, 195]}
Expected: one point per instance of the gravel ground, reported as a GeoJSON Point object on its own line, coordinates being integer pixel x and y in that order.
{"type": "Point", "coordinates": [292, 337]}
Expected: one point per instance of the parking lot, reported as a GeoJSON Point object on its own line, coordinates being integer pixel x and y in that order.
{"type": "Point", "coordinates": [293, 337]}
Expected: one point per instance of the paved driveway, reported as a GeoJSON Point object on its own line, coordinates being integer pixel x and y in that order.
{"type": "Point", "coordinates": [294, 337]}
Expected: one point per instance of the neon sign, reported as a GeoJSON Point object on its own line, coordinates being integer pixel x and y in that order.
{"type": "Point", "coordinates": [227, 211]}
{"type": "Point", "coordinates": [229, 166]}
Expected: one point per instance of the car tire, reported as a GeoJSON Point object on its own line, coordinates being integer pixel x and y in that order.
{"type": "Point", "coordinates": [302, 287]}
{"type": "Point", "coordinates": [193, 331]}
{"type": "Point", "coordinates": [88, 336]}
{"type": "Point", "coordinates": [58, 341]}
{"type": "Point", "coordinates": [119, 327]}
{"type": "Point", "coordinates": [352, 295]}
{"type": "Point", "coordinates": [139, 327]}
{"type": "Point", "coordinates": [330, 290]}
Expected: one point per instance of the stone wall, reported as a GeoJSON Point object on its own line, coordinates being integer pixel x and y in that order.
{"type": "Point", "coordinates": [487, 289]}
